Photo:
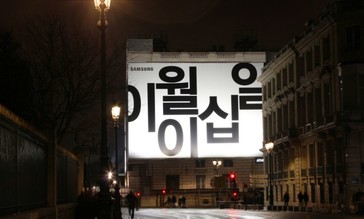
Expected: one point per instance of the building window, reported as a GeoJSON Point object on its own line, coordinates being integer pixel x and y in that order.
{"type": "Point", "coordinates": [286, 117]}
{"type": "Point", "coordinates": [279, 121]}
{"type": "Point", "coordinates": [292, 157]}
{"type": "Point", "coordinates": [280, 161]}
{"type": "Point", "coordinates": [304, 157]}
{"type": "Point", "coordinates": [313, 193]}
{"type": "Point", "coordinates": [353, 38]}
{"type": "Point", "coordinates": [292, 113]}
{"type": "Point", "coordinates": [294, 192]}
{"type": "Point", "coordinates": [331, 193]}
{"type": "Point", "coordinates": [300, 69]}
{"type": "Point", "coordinates": [339, 152]}
{"type": "Point", "coordinates": [327, 99]}
{"type": "Point", "coordinates": [309, 61]}
{"type": "Point", "coordinates": [172, 182]}
{"type": "Point", "coordinates": [326, 48]}
{"type": "Point", "coordinates": [274, 86]}
{"type": "Point", "coordinates": [279, 81]}
{"type": "Point", "coordinates": [228, 163]}
{"type": "Point", "coordinates": [200, 181]}
{"type": "Point", "coordinates": [285, 77]}
{"type": "Point", "coordinates": [200, 164]}
{"type": "Point", "coordinates": [320, 154]}
{"type": "Point", "coordinates": [302, 111]}
{"type": "Point", "coordinates": [350, 91]}
{"type": "Point", "coordinates": [317, 55]}
{"type": "Point", "coordinates": [290, 73]}
{"type": "Point", "coordinates": [310, 109]}
{"type": "Point", "coordinates": [312, 156]}
{"type": "Point", "coordinates": [322, 193]}
{"type": "Point", "coordinates": [353, 88]}
{"type": "Point", "coordinates": [361, 91]}
{"type": "Point", "coordinates": [264, 91]}
{"type": "Point", "coordinates": [270, 125]}
{"type": "Point", "coordinates": [318, 106]}
{"type": "Point", "coordinates": [329, 153]}
{"type": "Point", "coordinates": [285, 160]}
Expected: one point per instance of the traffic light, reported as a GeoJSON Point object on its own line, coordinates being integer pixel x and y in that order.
{"type": "Point", "coordinates": [235, 194]}
{"type": "Point", "coordinates": [164, 192]}
{"type": "Point", "coordinates": [232, 178]}
{"type": "Point", "coordinates": [138, 194]}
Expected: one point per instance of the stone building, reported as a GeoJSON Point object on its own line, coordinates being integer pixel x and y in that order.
{"type": "Point", "coordinates": [313, 112]}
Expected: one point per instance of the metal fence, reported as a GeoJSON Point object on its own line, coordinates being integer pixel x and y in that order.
{"type": "Point", "coordinates": [24, 168]}
{"type": "Point", "coordinates": [67, 178]}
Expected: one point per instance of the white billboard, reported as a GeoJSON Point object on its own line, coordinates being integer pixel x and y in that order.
{"type": "Point", "coordinates": [194, 110]}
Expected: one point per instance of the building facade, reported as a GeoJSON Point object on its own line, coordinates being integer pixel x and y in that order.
{"type": "Point", "coordinates": [313, 112]}
{"type": "Point", "coordinates": [194, 179]}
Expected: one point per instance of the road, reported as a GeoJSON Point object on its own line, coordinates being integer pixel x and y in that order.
{"type": "Point", "coordinates": [193, 213]}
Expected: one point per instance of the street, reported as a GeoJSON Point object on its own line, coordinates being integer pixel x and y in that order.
{"type": "Point", "coordinates": [194, 213]}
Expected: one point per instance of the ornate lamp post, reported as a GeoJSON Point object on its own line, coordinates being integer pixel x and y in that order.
{"type": "Point", "coordinates": [104, 205]}
{"type": "Point", "coordinates": [115, 113]}
{"type": "Point", "coordinates": [269, 147]}
{"type": "Point", "coordinates": [217, 164]}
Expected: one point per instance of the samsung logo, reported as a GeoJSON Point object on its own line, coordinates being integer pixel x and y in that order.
{"type": "Point", "coordinates": [141, 68]}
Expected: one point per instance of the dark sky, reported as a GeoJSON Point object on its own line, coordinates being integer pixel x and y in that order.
{"type": "Point", "coordinates": [195, 24]}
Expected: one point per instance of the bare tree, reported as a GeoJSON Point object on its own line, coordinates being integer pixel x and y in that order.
{"type": "Point", "coordinates": [15, 80]}
{"type": "Point", "coordinates": [66, 80]}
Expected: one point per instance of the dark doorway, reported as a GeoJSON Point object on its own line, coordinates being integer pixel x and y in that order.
{"type": "Point", "coordinates": [172, 182]}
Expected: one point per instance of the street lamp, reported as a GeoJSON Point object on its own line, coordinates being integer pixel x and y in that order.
{"type": "Point", "coordinates": [109, 175]}
{"type": "Point", "coordinates": [217, 164]}
{"type": "Point", "coordinates": [98, 4]}
{"type": "Point", "coordinates": [269, 147]}
{"type": "Point", "coordinates": [104, 198]}
{"type": "Point", "coordinates": [115, 113]}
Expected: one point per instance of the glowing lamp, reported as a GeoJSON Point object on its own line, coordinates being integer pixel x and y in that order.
{"type": "Point", "coordinates": [99, 2]}
{"type": "Point", "coordinates": [115, 113]}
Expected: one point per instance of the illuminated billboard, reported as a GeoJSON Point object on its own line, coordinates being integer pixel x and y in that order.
{"type": "Point", "coordinates": [194, 110]}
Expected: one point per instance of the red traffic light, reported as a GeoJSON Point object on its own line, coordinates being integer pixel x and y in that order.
{"type": "Point", "coordinates": [232, 176]}
{"type": "Point", "coordinates": [138, 194]}
{"type": "Point", "coordinates": [163, 191]}
{"type": "Point", "coordinates": [235, 193]}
